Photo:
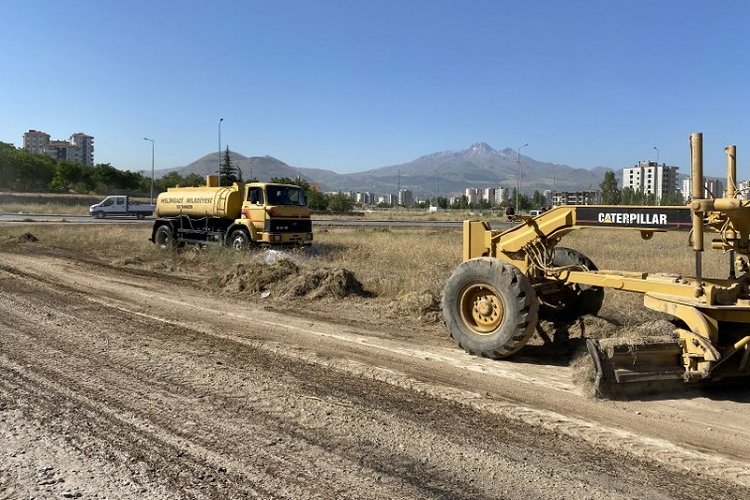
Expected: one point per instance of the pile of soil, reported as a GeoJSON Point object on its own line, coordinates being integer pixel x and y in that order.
{"type": "Point", "coordinates": [25, 238]}
{"type": "Point", "coordinates": [424, 306]}
{"type": "Point", "coordinates": [255, 277]}
{"type": "Point", "coordinates": [326, 282]}
{"type": "Point", "coordinates": [131, 261]}
{"type": "Point", "coordinates": [656, 331]}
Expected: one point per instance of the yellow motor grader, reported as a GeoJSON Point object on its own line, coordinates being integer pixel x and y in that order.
{"type": "Point", "coordinates": [491, 302]}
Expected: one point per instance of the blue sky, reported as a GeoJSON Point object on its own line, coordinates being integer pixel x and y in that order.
{"type": "Point", "coordinates": [352, 85]}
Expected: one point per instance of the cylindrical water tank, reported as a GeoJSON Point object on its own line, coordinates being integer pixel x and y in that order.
{"type": "Point", "coordinates": [202, 201]}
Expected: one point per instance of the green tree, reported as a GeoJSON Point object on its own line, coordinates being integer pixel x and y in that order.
{"type": "Point", "coordinates": [461, 203]}
{"type": "Point", "coordinates": [524, 202]}
{"type": "Point", "coordinates": [628, 196]}
{"type": "Point", "coordinates": [228, 173]}
{"type": "Point", "coordinates": [611, 195]}
{"type": "Point", "coordinates": [672, 199]}
{"type": "Point", "coordinates": [340, 202]}
{"type": "Point", "coordinates": [538, 200]}
{"type": "Point", "coordinates": [317, 200]}
{"type": "Point", "coordinates": [442, 202]}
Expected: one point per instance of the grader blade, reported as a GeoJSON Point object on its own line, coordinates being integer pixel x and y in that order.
{"type": "Point", "coordinates": [625, 366]}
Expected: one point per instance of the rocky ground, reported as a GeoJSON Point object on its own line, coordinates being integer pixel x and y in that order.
{"type": "Point", "coordinates": [118, 381]}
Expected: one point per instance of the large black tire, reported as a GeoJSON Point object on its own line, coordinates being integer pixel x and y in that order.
{"type": "Point", "coordinates": [489, 307]}
{"type": "Point", "coordinates": [164, 238]}
{"type": "Point", "coordinates": [239, 240]}
{"type": "Point", "coordinates": [571, 301]}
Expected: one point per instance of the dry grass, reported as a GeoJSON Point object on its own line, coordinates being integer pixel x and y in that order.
{"type": "Point", "coordinates": [393, 264]}
{"type": "Point", "coordinates": [390, 262]}
{"type": "Point", "coordinates": [44, 208]}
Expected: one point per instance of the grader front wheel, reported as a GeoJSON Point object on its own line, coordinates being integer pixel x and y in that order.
{"type": "Point", "coordinates": [489, 307]}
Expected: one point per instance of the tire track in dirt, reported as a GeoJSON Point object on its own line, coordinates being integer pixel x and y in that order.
{"type": "Point", "coordinates": [601, 437]}
{"type": "Point", "coordinates": [161, 422]}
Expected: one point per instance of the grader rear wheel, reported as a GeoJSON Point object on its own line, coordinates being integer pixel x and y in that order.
{"type": "Point", "coordinates": [489, 307]}
{"type": "Point", "coordinates": [571, 301]}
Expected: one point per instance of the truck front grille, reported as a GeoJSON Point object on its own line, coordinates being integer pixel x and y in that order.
{"type": "Point", "coordinates": [288, 226]}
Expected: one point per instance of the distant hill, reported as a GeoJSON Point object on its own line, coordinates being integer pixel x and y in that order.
{"type": "Point", "coordinates": [446, 173]}
{"type": "Point", "coordinates": [262, 167]}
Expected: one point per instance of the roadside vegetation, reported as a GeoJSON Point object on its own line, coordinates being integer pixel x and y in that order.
{"type": "Point", "coordinates": [392, 265]}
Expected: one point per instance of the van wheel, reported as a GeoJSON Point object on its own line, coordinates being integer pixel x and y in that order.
{"type": "Point", "coordinates": [99, 215]}
{"type": "Point", "coordinates": [163, 238]}
{"type": "Point", "coordinates": [140, 216]}
{"type": "Point", "coordinates": [239, 240]}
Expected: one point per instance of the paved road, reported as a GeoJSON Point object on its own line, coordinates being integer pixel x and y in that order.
{"type": "Point", "coordinates": [84, 219]}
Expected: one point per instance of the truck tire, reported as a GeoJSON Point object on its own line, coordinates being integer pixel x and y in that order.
{"type": "Point", "coordinates": [164, 238]}
{"type": "Point", "coordinates": [239, 240]}
{"type": "Point", "coordinates": [140, 216]}
{"type": "Point", "coordinates": [571, 301]}
{"type": "Point", "coordinates": [99, 215]}
{"type": "Point", "coordinates": [489, 307]}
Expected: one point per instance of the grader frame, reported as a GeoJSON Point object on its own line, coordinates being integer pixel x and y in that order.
{"type": "Point", "coordinates": [491, 302]}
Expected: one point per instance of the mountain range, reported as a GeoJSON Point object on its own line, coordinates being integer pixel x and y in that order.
{"type": "Point", "coordinates": [444, 173]}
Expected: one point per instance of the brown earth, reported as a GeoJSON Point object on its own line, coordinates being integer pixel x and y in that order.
{"type": "Point", "coordinates": [121, 381]}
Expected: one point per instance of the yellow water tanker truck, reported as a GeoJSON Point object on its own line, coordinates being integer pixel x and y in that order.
{"type": "Point", "coordinates": [239, 215]}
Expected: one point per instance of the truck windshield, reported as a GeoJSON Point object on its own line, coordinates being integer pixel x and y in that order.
{"type": "Point", "coordinates": [283, 195]}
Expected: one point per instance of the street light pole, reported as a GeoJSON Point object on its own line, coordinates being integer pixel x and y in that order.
{"type": "Point", "coordinates": [657, 155]}
{"type": "Point", "coordinates": [218, 166]}
{"type": "Point", "coordinates": [518, 177]}
{"type": "Point", "coordinates": [152, 168]}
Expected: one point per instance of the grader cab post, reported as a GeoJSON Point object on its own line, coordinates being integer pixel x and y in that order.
{"type": "Point", "coordinates": [492, 301]}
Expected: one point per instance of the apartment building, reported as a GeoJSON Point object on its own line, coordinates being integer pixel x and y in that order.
{"type": "Point", "coordinates": [78, 149]}
{"type": "Point", "coordinates": [651, 178]}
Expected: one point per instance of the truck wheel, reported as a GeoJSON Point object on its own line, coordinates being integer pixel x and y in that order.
{"type": "Point", "coordinates": [489, 307]}
{"type": "Point", "coordinates": [571, 301]}
{"type": "Point", "coordinates": [239, 240]}
{"type": "Point", "coordinates": [140, 216]}
{"type": "Point", "coordinates": [99, 215]}
{"type": "Point", "coordinates": [164, 238]}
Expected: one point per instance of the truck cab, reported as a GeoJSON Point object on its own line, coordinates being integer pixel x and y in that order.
{"type": "Point", "coordinates": [276, 213]}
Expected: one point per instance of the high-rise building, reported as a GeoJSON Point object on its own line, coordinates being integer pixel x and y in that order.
{"type": "Point", "coordinates": [35, 141]}
{"type": "Point", "coordinates": [472, 195]}
{"type": "Point", "coordinates": [406, 197]}
{"type": "Point", "coordinates": [85, 145]}
{"type": "Point", "coordinates": [712, 188]}
{"type": "Point", "coordinates": [650, 177]}
{"type": "Point", "coordinates": [78, 149]}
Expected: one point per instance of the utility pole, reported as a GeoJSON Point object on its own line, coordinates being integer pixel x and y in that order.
{"type": "Point", "coordinates": [518, 179]}
{"type": "Point", "coordinates": [218, 165]}
{"type": "Point", "coordinates": [152, 168]}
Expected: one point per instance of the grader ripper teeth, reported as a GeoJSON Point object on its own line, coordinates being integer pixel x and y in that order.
{"type": "Point", "coordinates": [492, 301]}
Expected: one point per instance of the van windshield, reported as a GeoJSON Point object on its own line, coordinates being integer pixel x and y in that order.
{"type": "Point", "coordinates": [284, 195]}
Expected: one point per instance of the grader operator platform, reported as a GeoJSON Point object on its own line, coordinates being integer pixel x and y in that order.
{"type": "Point", "coordinates": [491, 301]}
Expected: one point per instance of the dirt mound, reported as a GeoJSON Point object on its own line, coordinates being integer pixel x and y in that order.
{"type": "Point", "coordinates": [584, 373]}
{"type": "Point", "coordinates": [25, 238]}
{"type": "Point", "coordinates": [257, 276]}
{"type": "Point", "coordinates": [593, 327]}
{"type": "Point", "coordinates": [649, 332]}
{"type": "Point", "coordinates": [325, 282]}
{"type": "Point", "coordinates": [424, 305]}
{"type": "Point", "coordinates": [131, 261]}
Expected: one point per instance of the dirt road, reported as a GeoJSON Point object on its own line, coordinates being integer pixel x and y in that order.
{"type": "Point", "coordinates": [120, 382]}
